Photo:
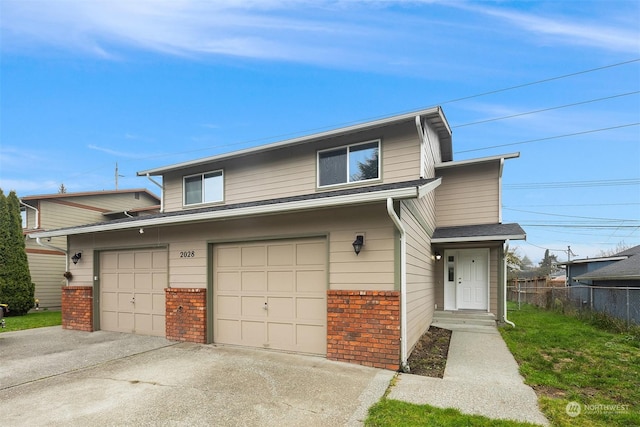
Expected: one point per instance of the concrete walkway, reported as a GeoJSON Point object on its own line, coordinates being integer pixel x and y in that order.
{"type": "Point", "coordinates": [481, 377]}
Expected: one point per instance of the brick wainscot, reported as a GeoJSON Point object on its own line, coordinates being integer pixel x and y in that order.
{"type": "Point", "coordinates": [77, 308]}
{"type": "Point", "coordinates": [186, 315]}
{"type": "Point", "coordinates": [363, 327]}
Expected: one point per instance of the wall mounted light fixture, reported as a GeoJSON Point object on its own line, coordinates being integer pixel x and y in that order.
{"type": "Point", "coordinates": [358, 244]}
{"type": "Point", "coordinates": [76, 257]}
{"type": "Point", "coordinates": [438, 256]}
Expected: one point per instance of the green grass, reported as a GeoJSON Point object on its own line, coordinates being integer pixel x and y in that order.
{"type": "Point", "coordinates": [567, 360]}
{"type": "Point", "coordinates": [32, 320]}
{"type": "Point", "coordinates": [395, 413]}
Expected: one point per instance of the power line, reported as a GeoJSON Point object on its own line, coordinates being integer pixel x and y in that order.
{"type": "Point", "coordinates": [570, 216]}
{"type": "Point", "coordinates": [573, 184]}
{"type": "Point", "coordinates": [571, 205]}
{"type": "Point", "coordinates": [545, 109]}
{"type": "Point", "coordinates": [550, 137]}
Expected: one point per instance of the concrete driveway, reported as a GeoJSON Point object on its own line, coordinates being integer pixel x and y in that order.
{"type": "Point", "coordinates": [57, 377]}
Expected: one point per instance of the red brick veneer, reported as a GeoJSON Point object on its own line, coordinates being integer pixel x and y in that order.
{"type": "Point", "coordinates": [186, 316]}
{"type": "Point", "coordinates": [363, 327]}
{"type": "Point", "coordinates": [77, 308]}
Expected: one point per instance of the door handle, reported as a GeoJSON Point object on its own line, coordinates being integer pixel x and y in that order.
{"type": "Point", "coordinates": [265, 307]}
{"type": "Point", "coordinates": [133, 300]}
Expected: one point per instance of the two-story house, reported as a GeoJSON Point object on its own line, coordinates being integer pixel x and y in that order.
{"type": "Point", "coordinates": [48, 261]}
{"type": "Point", "coordinates": [341, 244]}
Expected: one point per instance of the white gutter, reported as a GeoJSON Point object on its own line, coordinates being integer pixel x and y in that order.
{"type": "Point", "coordinates": [504, 278]}
{"type": "Point", "coordinates": [37, 221]}
{"type": "Point", "coordinates": [479, 238]}
{"type": "Point", "coordinates": [403, 285]}
{"type": "Point", "coordinates": [161, 192]}
{"type": "Point", "coordinates": [317, 203]}
{"type": "Point", "coordinates": [55, 248]}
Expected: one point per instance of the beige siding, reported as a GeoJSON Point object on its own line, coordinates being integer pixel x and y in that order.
{"type": "Point", "coordinates": [468, 195]}
{"type": "Point", "coordinates": [46, 272]}
{"type": "Point", "coordinates": [417, 218]}
{"type": "Point", "coordinates": [373, 269]}
{"type": "Point", "coordinates": [430, 151]}
{"type": "Point", "coordinates": [292, 171]}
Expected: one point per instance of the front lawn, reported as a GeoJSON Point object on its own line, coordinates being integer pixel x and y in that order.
{"type": "Point", "coordinates": [567, 360]}
{"type": "Point", "coordinates": [402, 414]}
{"type": "Point", "coordinates": [32, 320]}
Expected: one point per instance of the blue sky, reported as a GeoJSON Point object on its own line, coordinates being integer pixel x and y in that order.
{"type": "Point", "coordinates": [86, 84]}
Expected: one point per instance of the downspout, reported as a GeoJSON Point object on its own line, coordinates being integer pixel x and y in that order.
{"type": "Point", "coordinates": [55, 248]}
{"type": "Point", "coordinates": [37, 221]}
{"type": "Point", "coordinates": [161, 192]}
{"type": "Point", "coordinates": [404, 365]}
{"type": "Point", "coordinates": [504, 278]}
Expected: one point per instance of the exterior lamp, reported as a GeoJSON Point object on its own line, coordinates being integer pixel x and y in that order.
{"type": "Point", "coordinates": [358, 244]}
{"type": "Point", "coordinates": [76, 257]}
{"type": "Point", "coordinates": [438, 256]}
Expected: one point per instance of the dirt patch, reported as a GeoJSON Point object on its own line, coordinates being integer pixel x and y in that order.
{"type": "Point", "coordinates": [429, 356]}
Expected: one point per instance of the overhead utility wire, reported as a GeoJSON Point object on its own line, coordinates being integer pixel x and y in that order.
{"type": "Point", "coordinates": [572, 216]}
{"type": "Point", "coordinates": [545, 109]}
{"type": "Point", "coordinates": [573, 184]}
{"type": "Point", "coordinates": [551, 137]}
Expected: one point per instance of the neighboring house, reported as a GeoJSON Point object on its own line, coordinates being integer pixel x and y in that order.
{"type": "Point", "coordinates": [47, 261]}
{"type": "Point", "coordinates": [621, 269]}
{"type": "Point", "coordinates": [341, 244]}
{"type": "Point", "coordinates": [608, 284]}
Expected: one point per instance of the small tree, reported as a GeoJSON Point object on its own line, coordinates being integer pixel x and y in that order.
{"type": "Point", "coordinates": [548, 264]}
{"type": "Point", "coordinates": [62, 189]}
{"type": "Point", "coordinates": [16, 288]}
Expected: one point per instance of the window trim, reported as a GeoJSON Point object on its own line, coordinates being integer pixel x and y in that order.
{"type": "Point", "coordinates": [348, 147]}
{"type": "Point", "coordinates": [201, 175]}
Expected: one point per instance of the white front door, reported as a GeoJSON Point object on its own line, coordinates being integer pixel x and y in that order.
{"type": "Point", "coordinates": [472, 281]}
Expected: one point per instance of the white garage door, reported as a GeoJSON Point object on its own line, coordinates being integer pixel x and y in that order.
{"type": "Point", "coordinates": [132, 287]}
{"type": "Point", "coordinates": [272, 295]}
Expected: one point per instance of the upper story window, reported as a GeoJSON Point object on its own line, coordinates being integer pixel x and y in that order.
{"type": "Point", "coordinates": [353, 163]}
{"type": "Point", "coordinates": [23, 215]}
{"type": "Point", "coordinates": [204, 188]}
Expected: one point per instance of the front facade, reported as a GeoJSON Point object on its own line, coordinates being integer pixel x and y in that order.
{"type": "Point", "coordinates": [257, 248]}
{"type": "Point", "coordinates": [48, 261]}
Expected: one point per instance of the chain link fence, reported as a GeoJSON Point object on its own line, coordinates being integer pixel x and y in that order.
{"type": "Point", "coordinates": [619, 302]}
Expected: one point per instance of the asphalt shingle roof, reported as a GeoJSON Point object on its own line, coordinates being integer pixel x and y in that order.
{"type": "Point", "coordinates": [482, 231]}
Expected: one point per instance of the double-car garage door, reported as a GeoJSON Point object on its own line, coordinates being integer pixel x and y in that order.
{"type": "Point", "coordinates": [271, 294]}
{"type": "Point", "coordinates": [132, 296]}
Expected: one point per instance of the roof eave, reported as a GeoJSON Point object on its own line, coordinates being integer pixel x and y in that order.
{"type": "Point", "coordinates": [479, 160]}
{"type": "Point", "coordinates": [336, 201]}
{"type": "Point", "coordinates": [435, 112]}
{"type": "Point", "coordinates": [469, 239]}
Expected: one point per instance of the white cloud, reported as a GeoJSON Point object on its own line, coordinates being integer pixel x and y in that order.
{"type": "Point", "coordinates": [116, 153]}
{"type": "Point", "coordinates": [567, 31]}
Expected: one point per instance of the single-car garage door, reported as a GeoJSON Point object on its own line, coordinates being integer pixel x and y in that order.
{"type": "Point", "coordinates": [272, 294]}
{"type": "Point", "coordinates": [132, 287]}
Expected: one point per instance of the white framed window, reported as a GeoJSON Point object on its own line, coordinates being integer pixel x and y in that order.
{"type": "Point", "coordinates": [205, 187]}
{"type": "Point", "coordinates": [350, 163]}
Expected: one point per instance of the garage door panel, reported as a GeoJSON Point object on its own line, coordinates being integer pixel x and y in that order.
{"type": "Point", "coordinates": [311, 309]}
{"type": "Point", "coordinates": [125, 261]}
{"type": "Point", "coordinates": [159, 304]}
{"type": "Point", "coordinates": [109, 301]}
{"type": "Point", "coordinates": [281, 308]}
{"type": "Point", "coordinates": [281, 335]}
{"type": "Point", "coordinates": [228, 331]}
{"type": "Point", "coordinates": [311, 339]}
{"type": "Point", "coordinates": [311, 281]}
{"type": "Point", "coordinates": [252, 333]}
{"type": "Point", "coordinates": [126, 281]}
{"type": "Point", "coordinates": [159, 282]}
{"type": "Point", "coordinates": [253, 281]}
{"type": "Point", "coordinates": [143, 281]}
{"type": "Point", "coordinates": [160, 261]}
{"type": "Point", "coordinates": [289, 276]}
{"type": "Point", "coordinates": [227, 305]}
{"type": "Point", "coordinates": [142, 260]}
{"type": "Point", "coordinates": [228, 257]}
{"type": "Point", "coordinates": [253, 306]}
{"type": "Point", "coordinates": [280, 281]}
{"type": "Point", "coordinates": [253, 256]}
{"type": "Point", "coordinates": [227, 281]}
{"type": "Point", "coordinates": [125, 322]}
{"type": "Point", "coordinates": [280, 255]}
{"type": "Point", "coordinates": [109, 260]}
{"type": "Point", "coordinates": [311, 254]}
{"type": "Point", "coordinates": [109, 321]}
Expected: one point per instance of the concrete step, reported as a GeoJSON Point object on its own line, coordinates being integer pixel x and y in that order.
{"type": "Point", "coordinates": [463, 318]}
